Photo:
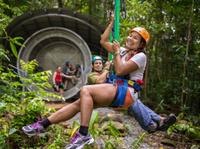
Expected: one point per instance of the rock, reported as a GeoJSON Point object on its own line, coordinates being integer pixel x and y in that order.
{"type": "Point", "coordinates": [112, 117]}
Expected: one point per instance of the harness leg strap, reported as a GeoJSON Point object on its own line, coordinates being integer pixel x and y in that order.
{"type": "Point", "coordinates": [120, 96]}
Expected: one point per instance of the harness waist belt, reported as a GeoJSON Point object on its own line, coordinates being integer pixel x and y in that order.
{"type": "Point", "coordinates": [121, 81]}
{"type": "Point", "coordinates": [130, 83]}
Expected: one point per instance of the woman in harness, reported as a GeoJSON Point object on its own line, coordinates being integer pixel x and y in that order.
{"type": "Point", "coordinates": [129, 61]}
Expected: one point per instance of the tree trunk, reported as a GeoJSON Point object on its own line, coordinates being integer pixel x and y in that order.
{"type": "Point", "coordinates": [60, 4]}
{"type": "Point", "coordinates": [184, 93]}
{"type": "Point", "coordinates": [90, 6]}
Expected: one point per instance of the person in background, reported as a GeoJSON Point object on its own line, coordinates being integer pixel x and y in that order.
{"type": "Point", "coordinates": [78, 71]}
{"type": "Point", "coordinates": [69, 74]}
{"type": "Point", "coordinates": [58, 81]}
{"type": "Point", "coordinates": [65, 68]}
{"type": "Point", "coordinates": [72, 69]}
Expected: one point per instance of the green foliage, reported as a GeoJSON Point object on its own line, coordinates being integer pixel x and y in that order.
{"type": "Point", "coordinates": [3, 55]}
{"type": "Point", "coordinates": [4, 19]}
{"type": "Point", "coordinates": [96, 9]}
{"type": "Point", "coordinates": [59, 136]}
{"type": "Point", "coordinates": [113, 130]}
{"type": "Point", "coordinates": [188, 129]}
{"type": "Point", "coordinates": [20, 107]}
{"type": "Point", "coordinates": [74, 128]}
{"type": "Point", "coordinates": [94, 123]}
{"type": "Point", "coordinates": [41, 4]}
{"type": "Point", "coordinates": [137, 142]}
{"type": "Point", "coordinates": [16, 41]}
{"type": "Point", "coordinates": [8, 11]}
{"type": "Point", "coordinates": [109, 144]}
{"type": "Point", "coordinates": [186, 126]}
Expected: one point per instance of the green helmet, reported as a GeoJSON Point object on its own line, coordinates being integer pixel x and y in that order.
{"type": "Point", "coordinates": [95, 57]}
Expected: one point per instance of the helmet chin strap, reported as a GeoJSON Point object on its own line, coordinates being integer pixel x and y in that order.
{"type": "Point", "coordinates": [133, 52]}
{"type": "Point", "coordinates": [129, 49]}
{"type": "Point", "coordinates": [140, 49]}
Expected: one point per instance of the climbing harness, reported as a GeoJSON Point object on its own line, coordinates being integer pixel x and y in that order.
{"type": "Point", "coordinates": [123, 97]}
{"type": "Point", "coordinates": [116, 80]}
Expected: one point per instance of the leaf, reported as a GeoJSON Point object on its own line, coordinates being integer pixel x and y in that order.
{"type": "Point", "coordinates": [12, 130]}
{"type": "Point", "coordinates": [113, 130]}
{"type": "Point", "coordinates": [2, 105]}
{"type": "Point", "coordinates": [94, 118]}
{"type": "Point", "coordinates": [137, 142]}
{"type": "Point", "coordinates": [13, 48]}
{"type": "Point", "coordinates": [18, 38]}
{"type": "Point", "coordinates": [3, 54]}
{"type": "Point", "coordinates": [16, 41]}
{"type": "Point", "coordinates": [75, 126]}
{"type": "Point", "coordinates": [4, 6]}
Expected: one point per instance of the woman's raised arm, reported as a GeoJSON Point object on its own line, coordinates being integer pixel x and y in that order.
{"type": "Point", "coordinates": [105, 43]}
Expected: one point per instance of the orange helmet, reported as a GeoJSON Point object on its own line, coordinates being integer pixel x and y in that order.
{"type": "Point", "coordinates": [143, 32]}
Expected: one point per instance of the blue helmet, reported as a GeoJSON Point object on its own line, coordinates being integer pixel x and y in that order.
{"type": "Point", "coordinates": [94, 58]}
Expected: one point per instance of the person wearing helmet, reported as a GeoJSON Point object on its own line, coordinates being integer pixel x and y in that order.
{"type": "Point", "coordinates": [96, 57]}
{"type": "Point", "coordinates": [95, 61]}
{"type": "Point", "coordinates": [131, 61]}
{"type": "Point", "coordinates": [98, 74]}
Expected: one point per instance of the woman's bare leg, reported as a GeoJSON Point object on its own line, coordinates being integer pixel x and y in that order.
{"type": "Point", "coordinates": [66, 84]}
{"type": "Point", "coordinates": [66, 113]}
{"type": "Point", "coordinates": [95, 96]}
{"type": "Point", "coordinates": [61, 92]}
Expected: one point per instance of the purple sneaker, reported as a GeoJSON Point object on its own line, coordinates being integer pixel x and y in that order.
{"type": "Point", "coordinates": [34, 129]}
{"type": "Point", "coordinates": [78, 141]}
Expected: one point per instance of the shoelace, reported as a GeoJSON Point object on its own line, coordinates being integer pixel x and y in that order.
{"type": "Point", "coordinates": [75, 138]}
{"type": "Point", "coordinates": [35, 125]}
